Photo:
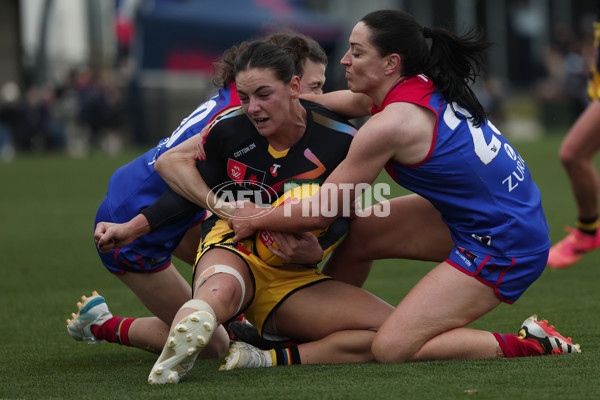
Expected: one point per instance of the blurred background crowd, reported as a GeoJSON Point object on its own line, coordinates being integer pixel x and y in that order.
{"type": "Point", "coordinates": [82, 76]}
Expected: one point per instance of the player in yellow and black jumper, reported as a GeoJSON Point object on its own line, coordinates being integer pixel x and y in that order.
{"type": "Point", "coordinates": [238, 159]}
{"type": "Point", "coordinates": [277, 139]}
{"type": "Point", "coordinates": [577, 153]}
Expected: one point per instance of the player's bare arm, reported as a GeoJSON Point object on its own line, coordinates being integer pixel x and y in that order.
{"type": "Point", "coordinates": [374, 144]}
{"type": "Point", "coordinates": [344, 102]}
{"type": "Point", "coordinates": [178, 168]}
{"type": "Point", "coordinates": [109, 236]}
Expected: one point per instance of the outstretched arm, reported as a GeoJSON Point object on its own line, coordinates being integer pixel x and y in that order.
{"type": "Point", "coordinates": [366, 157]}
{"type": "Point", "coordinates": [344, 102]}
{"type": "Point", "coordinates": [402, 132]}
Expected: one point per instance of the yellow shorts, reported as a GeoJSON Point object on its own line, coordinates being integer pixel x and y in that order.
{"type": "Point", "coordinates": [272, 285]}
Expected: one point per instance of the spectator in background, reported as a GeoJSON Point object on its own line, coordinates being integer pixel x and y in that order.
{"type": "Point", "coordinates": [99, 106]}
{"type": "Point", "coordinates": [29, 123]}
{"type": "Point", "coordinates": [9, 97]}
{"type": "Point", "coordinates": [561, 91]}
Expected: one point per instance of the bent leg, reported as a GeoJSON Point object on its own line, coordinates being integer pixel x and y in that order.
{"type": "Point", "coordinates": [163, 293]}
{"type": "Point", "coordinates": [218, 295]}
{"type": "Point", "coordinates": [221, 292]}
{"type": "Point", "coordinates": [429, 322]}
{"type": "Point", "coordinates": [576, 154]}
{"type": "Point", "coordinates": [413, 230]}
{"type": "Point", "coordinates": [338, 321]}
{"type": "Point", "coordinates": [188, 246]}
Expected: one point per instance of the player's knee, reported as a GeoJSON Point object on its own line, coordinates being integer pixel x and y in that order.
{"type": "Point", "coordinates": [388, 349]}
{"type": "Point", "coordinates": [568, 156]}
{"type": "Point", "coordinates": [222, 284]}
{"type": "Point", "coordinates": [222, 288]}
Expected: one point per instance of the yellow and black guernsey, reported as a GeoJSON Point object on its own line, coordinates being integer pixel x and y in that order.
{"type": "Point", "coordinates": [239, 158]}
{"type": "Point", "coordinates": [241, 165]}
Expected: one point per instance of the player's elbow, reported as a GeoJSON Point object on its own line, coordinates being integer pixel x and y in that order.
{"type": "Point", "coordinates": [160, 163]}
{"type": "Point", "coordinates": [166, 162]}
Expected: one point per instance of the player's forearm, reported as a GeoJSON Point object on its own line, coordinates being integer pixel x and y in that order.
{"type": "Point", "coordinates": [179, 170]}
{"type": "Point", "coordinates": [138, 226]}
{"type": "Point", "coordinates": [345, 102]}
{"type": "Point", "coordinates": [291, 219]}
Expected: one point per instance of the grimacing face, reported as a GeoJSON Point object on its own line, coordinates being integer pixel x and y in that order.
{"type": "Point", "coordinates": [266, 100]}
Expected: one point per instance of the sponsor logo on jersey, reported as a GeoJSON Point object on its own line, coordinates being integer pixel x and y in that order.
{"type": "Point", "coordinates": [245, 150]}
{"type": "Point", "coordinates": [274, 168]}
{"type": "Point", "coordinates": [240, 172]}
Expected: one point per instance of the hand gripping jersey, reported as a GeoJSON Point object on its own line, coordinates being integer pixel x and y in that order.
{"type": "Point", "coordinates": [474, 177]}
{"type": "Point", "coordinates": [137, 185]}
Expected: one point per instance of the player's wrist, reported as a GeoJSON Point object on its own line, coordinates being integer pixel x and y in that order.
{"type": "Point", "coordinates": [139, 226]}
{"type": "Point", "coordinates": [226, 211]}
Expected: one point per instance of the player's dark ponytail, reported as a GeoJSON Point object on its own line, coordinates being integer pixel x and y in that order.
{"type": "Point", "coordinates": [453, 62]}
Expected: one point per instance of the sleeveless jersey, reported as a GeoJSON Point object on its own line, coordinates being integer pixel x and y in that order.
{"type": "Point", "coordinates": [474, 177]}
{"type": "Point", "coordinates": [239, 159]}
{"type": "Point", "coordinates": [137, 185]}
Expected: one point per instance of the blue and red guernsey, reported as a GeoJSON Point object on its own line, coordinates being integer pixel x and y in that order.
{"type": "Point", "coordinates": [137, 185]}
{"type": "Point", "coordinates": [474, 177]}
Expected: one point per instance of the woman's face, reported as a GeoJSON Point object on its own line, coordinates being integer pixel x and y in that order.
{"type": "Point", "coordinates": [313, 77]}
{"type": "Point", "coordinates": [266, 100]}
{"type": "Point", "coordinates": [364, 65]}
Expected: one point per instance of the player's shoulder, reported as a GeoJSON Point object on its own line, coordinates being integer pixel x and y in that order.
{"type": "Point", "coordinates": [230, 123]}
{"type": "Point", "coordinates": [328, 118]}
{"type": "Point", "coordinates": [322, 110]}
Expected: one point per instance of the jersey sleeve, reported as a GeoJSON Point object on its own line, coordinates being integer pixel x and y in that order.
{"type": "Point", "coordinates": [169, 207]}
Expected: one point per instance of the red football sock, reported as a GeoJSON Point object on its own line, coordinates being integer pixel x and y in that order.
{"type": "Point", "coordinates": [512, 346]}
{"type": "Point", "coordinates": [114, 330]}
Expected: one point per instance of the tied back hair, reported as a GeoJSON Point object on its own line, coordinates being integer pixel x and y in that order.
{"type": "Point", "coordinates": [293, 41]}
{"type": "Point", "coordinates": [304, 48]}
{"type": "Point", "coordinates": [453, 62]}
{"type": "Point", "coordinates": [285, 61]}
{"type": "Point", "coordinates": [224, 66]}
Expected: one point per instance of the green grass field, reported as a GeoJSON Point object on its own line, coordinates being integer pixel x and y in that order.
{"type": "Point", "coordinates": [47, 258]}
